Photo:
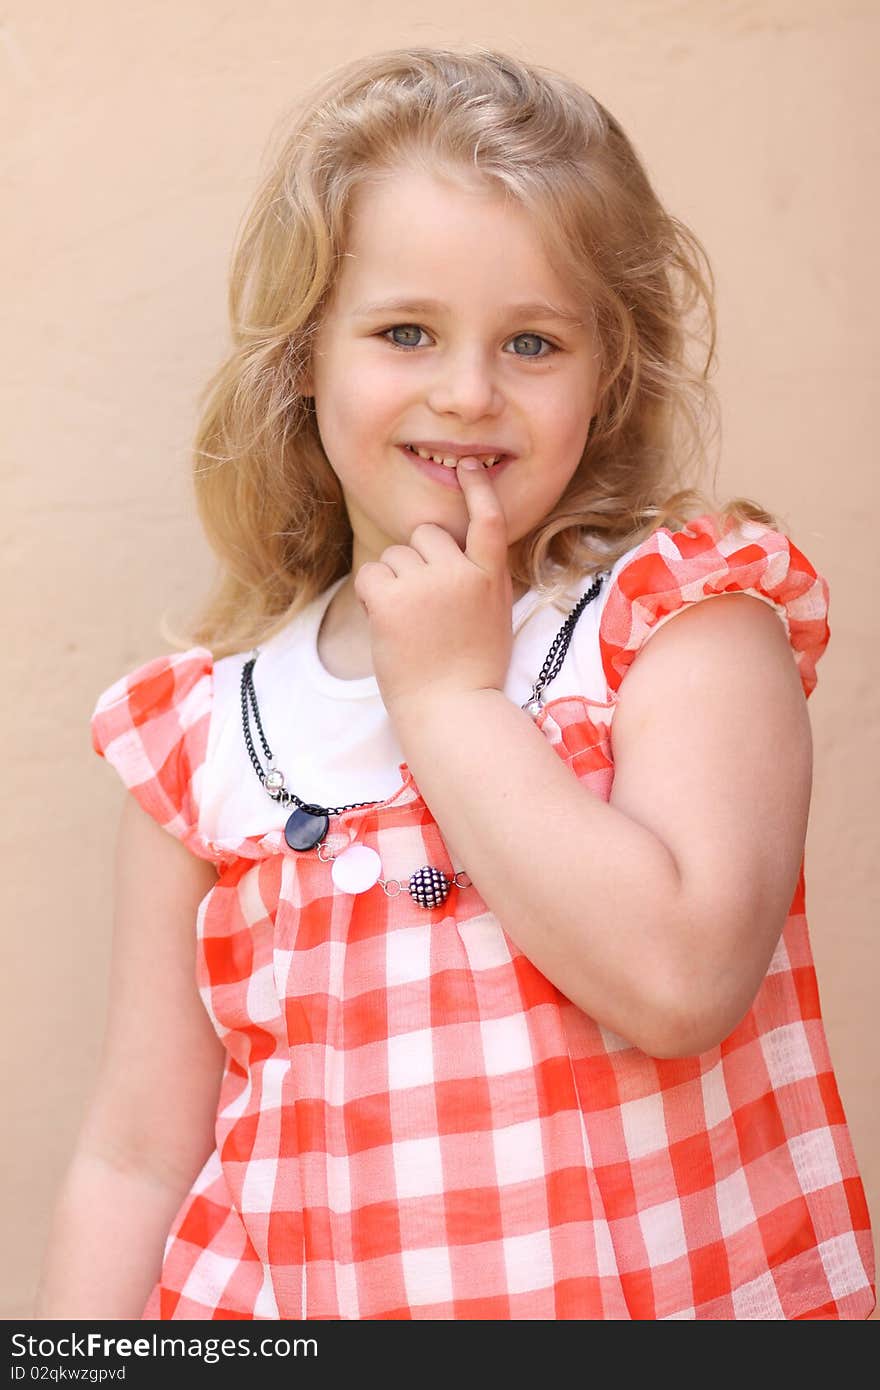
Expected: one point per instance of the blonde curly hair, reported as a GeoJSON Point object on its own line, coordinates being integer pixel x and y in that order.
{"type": "Point", "coordinates": [271, 506]}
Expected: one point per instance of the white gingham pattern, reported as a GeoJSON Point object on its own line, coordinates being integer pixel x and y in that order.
{"type": "Point", "coordinates": [414, 1123]}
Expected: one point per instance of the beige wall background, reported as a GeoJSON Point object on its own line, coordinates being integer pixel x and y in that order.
{"type": "Point", "coordinates": [132, 140]}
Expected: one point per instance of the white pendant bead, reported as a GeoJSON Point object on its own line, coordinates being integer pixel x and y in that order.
{"type": "Point", "coordinates": [356, 869]}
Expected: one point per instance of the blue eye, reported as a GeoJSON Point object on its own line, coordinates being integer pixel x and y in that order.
{"type": "Point", "coordinates": [538, 339]}
{"type": "Point", "coordinates": [397, 328]}
{"type": "Point", "coordinates": [415, 328]}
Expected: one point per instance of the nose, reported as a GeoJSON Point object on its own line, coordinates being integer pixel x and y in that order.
{"type": "Point", "coordinates": [464, 384]}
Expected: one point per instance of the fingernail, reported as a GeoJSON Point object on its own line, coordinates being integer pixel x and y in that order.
{"type": "Point", "coordinates": [469, 464]}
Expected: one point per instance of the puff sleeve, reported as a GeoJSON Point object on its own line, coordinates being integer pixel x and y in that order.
{"type": "Point", "coordinates": [152, 727]}
{"type": "Point", "coordinates": [671, 570]}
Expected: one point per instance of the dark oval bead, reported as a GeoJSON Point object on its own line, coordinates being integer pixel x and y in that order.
{"type": "Point", "coordinates": [305, 829]}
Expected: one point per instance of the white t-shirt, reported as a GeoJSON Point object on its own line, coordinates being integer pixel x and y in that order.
{"type": "Point", "coordinates": [332, 738]}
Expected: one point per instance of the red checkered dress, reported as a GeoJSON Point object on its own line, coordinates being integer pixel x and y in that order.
{"type": "Point", "coordinates": [414, 1123]}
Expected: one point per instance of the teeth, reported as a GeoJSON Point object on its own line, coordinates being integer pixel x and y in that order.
{"type": "Point", "coordinates": [488, 461]}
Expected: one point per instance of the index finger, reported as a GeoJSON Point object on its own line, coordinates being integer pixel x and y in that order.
{"type": "Point", "coordinates": [486, 542]}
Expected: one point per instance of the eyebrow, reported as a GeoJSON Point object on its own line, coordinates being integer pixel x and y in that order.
{"type": "Point", "coordinates": [532, 310]}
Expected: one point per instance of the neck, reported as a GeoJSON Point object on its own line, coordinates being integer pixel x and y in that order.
{"type": "Point", "coordinates": [346, 605]}
{"type": "Point", "coordinates": [344, 636]}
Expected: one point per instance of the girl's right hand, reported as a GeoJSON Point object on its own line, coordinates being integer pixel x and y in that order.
{"type": "Point", "coordinates": [440, 616]}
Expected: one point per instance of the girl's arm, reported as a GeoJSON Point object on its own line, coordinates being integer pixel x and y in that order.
{"type": "Point", "coordinates": [149, 1127]}
{"type": "Point", "coordinates": [657, 912]}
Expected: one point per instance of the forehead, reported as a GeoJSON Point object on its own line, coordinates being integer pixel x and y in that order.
{"type": "Point", "coordinates": [431, 237]}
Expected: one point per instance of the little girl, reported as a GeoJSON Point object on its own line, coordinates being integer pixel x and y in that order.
{"type": "Point", "coordinates": [461, 968]}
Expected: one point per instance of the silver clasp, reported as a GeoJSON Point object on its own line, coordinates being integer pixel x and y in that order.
{"type": "Point", "coordinates": [534, 704]}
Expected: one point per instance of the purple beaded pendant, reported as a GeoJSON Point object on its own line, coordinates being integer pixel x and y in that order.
{"type": "Point", "coordinates": [429, 887]}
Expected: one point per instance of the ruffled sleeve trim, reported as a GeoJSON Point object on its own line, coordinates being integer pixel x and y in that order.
{"type": "Point", "coordinates": [673, 569]}
{"type": "Point", "coordinates": [152, 726]}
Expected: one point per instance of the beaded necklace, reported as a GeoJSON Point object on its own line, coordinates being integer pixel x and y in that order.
{"type": "Point", "coordinates": [358, 868]}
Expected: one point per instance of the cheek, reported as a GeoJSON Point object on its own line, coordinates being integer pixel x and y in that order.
{"type": "Point", "coordinates": [529, 497]}
{"type": "Point", "coordinates": [367, 410]}
{"type": "Point", "coordinates": [345, 422]}
{"type": "Point", "coordinates": [569, 425]}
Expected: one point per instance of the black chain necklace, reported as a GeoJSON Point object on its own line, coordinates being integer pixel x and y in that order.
{"type": "Point", "coordinates": [358, 867]}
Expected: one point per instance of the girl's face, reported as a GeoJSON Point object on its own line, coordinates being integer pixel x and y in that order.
{"type": "Point", "coordinates": [483, 365]}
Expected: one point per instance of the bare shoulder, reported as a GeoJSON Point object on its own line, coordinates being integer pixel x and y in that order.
{"type": "Point", "coordinates": [713, 753]}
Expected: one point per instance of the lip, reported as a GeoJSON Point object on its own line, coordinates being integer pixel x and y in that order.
{"type": "Point", "coordinates": [447, 449]}
{"type": "Point", "coordinates": [448, 477]}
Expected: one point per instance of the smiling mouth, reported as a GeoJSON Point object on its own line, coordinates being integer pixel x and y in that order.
{"type": "Point", "coordinates": [487, 460]}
